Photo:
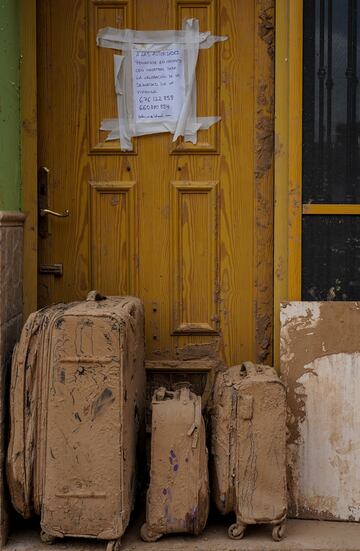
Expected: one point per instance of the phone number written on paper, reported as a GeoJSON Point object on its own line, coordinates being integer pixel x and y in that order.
{"type": "Point", "coordinates": [159, 86]}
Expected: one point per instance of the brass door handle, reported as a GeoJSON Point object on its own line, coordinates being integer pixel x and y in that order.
{"type": "Point", "coordinates": [44, 212]}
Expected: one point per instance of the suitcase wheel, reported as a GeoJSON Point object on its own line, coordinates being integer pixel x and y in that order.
{"type": "Point", "coordinates": [236, 531]}
{"type": "Point", "coordinates": [148, 535]}
{"type": "Point", "coordinates": [278, 531]}
{"type": "Point", "coordinates": [113, 545]}
{"type": "Point", "coordinates": [47, 538]}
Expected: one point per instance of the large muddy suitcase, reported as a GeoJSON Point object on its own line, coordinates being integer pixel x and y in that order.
{"type": "Point", "coordinates": [88, 403]}
{"type": "Point", "coordinates": [24, 401]}
{"type": "Point", "coordinates": [178, 494]}
{"type": "Point", "coordinates": [249, 447]}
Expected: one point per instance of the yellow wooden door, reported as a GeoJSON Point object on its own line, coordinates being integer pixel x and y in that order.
{"type": "Point", "coordinates": [185, 227]}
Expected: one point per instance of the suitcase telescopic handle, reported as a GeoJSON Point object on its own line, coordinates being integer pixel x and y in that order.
{"type": "Point", "coordinates": [95, 296]}
{"type": "Point", "coordinates": [249, 368]}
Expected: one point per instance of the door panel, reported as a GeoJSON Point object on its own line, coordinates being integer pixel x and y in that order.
{"type": "Point", "coordinates": [172, 223]}
{"type": "Point", "coordinates": [195, 259]}
{"type": "Point", "coordinates": [102, 100]}
{"type": "Point", "coordinates": [113, 213]}
{"type": "Point", "coordinates": [206, 72]}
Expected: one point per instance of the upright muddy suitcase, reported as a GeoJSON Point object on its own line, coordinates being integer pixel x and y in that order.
{"type": "Point", "coordinates": [178, 494]}
{"type": "Point", "coordinates": [88, 390]}
{"type": "Point", "coordinates": [24, 400]}
{"type": "Point", "coordinates": [248, 447]}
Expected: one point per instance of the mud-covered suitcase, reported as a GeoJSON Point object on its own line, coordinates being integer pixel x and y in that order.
{"type": "Point", "coordinates": [249, 447]}
{"type": "Point", "coordinates": [178, 494]}
{"type": "Point", "coordinates": [24, 400]}
{"type": "Point", "coordinates": [90, 387]}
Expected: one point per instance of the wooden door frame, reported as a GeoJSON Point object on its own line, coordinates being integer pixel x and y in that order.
{"type": "Point", "coordinates": [288, 158]}
{"type": "Point", "coordinates": [28, 140]}
{"type": "Point", "coordinates": [262, 323]}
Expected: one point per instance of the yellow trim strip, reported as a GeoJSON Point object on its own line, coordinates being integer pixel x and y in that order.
{"type": "Point", "coordinates": [288, 158]}
{"type": "Point", "coordinates": [295, 149]}
{"type": "Point", "coordinates": [311, 208]}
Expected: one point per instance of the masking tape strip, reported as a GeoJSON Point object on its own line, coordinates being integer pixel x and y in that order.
{"type": "Point", "coordinates": [189, 40]}
{"type": "Point", "coordinates": [112, 126]}
{"type": "Point", "coordinates": [123, 39]}
{"type": "Point", "coordinates": [187, 113]}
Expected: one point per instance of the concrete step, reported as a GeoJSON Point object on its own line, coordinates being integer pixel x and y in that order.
{"type": "Point", "coordinates": [309, 535]}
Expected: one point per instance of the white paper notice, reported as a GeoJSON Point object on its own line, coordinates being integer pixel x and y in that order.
{"type": "Point", "coordinates": [159, 84]}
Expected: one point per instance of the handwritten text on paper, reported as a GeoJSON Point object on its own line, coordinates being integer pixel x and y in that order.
{"type": "Point", "coordinates": [159, 86]}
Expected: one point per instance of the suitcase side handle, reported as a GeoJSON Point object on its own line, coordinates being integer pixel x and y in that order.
{"type": "Point", "coordinates": [161, 394]}
{"type": "Point", "coordinates": [181, 391]}
{"type": "Point", "coordinates": [245, 407]}
{"type": "Point", "coordinates": [95, 296]}
{"type": "Point", "coordinates": [182, 384]}
{"type": "Point", "coordinates": [195, 427]}
{"type": "Point", "coordinates": [249, 368]}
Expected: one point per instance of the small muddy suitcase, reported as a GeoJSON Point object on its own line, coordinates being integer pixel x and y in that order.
{"type": "Point", "coordinates": [178, 494]}
{"type": "Point", "coordinates": [82, 408]}
{"type": "Point", "coordinates": [249, 447]}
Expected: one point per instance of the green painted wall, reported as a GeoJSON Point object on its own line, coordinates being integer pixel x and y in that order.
{"type": "Point", "coordinates": [9, 105]}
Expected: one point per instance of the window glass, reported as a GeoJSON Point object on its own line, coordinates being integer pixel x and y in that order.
{"type": "Point", "coordinates": [331, 257]}
{"type": "Point", "coordinates": [331, 101]}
